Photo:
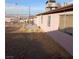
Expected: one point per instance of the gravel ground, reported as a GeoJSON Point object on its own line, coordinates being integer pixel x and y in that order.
{"type": "Point", "coordinates": [32, 46]}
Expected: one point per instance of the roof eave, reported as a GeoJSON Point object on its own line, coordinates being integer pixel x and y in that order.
{"type": "Point", "coordinates": [62, 9]}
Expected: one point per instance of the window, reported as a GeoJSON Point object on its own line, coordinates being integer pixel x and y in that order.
{"type": "Point", "coordinates": [41, 19]}
{"type": "Point", "coordinates": [49, 20]}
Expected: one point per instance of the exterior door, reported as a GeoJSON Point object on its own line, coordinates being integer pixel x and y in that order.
{"type": "Point", "coordinates": [66, 23]}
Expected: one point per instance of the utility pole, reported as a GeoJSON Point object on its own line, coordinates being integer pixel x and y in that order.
{"type": "Point", "coordinates": [29, 15]}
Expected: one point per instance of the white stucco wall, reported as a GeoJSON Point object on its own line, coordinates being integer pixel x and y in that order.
{"type": "Point", "coordinates": [37, 20]}
{"type": "Point", "coordinates": [65, 40]}
{"type": "Point", "coordinates": [54, 21]}
{"type": "Point", "coordinates": [21, 20]}
{"type": "Point", "coordinates": [7, 19]}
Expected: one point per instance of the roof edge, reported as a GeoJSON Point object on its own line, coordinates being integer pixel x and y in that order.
{"type": "Point", "coordinates": [58, 10]}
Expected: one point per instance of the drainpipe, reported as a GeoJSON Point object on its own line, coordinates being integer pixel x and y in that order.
{"type": "Point", "coordinates": [64, 22]}
{"type": "Point", "coordinates": [64, 19]}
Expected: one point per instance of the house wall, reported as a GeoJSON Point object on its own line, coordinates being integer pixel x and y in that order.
{"type": "Point", "coordinates": [54, 23]}
{"type": "Point", "coordinates": [65, 40]}
{"type": "Point", "coordinates": [37, 20]}
{"type": "Point", "coordinates": [21, 21]}
{"type": "Point", "coordinates": [7, 19]}
{"type": "Point", "coordinates": [66, 23]}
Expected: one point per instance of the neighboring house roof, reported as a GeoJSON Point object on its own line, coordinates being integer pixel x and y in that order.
{"type": "Point", "coordinates": [59, 10]}
{"type": "Point", "coordinates": [50, 1]}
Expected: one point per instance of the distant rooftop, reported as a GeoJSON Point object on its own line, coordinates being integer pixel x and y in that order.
{"type": "Point", "coordinates": [50, 1]}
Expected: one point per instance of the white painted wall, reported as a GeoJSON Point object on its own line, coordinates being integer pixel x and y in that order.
{"type": "Point", "coordinates": [54, 21]}
{"type": "Point", "coordinates": [65, 40]}
{"type": "Point", "coordinates": [38, 20]}
{"type": "Point", "coordinates": [21, 20]}
{"type": "Point", "coordinates": [53, 25]}
{"type": "Point", "coordinates": [7, 19]}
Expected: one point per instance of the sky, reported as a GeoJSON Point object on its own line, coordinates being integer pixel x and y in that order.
{"type": "Point", "coordinates": [22, 6]}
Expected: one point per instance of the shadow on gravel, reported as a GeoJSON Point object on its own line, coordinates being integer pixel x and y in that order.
{"type": "Point", "coordinates": [32, 46]}
{"type": "Point", "coordinates": [25, 46]}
